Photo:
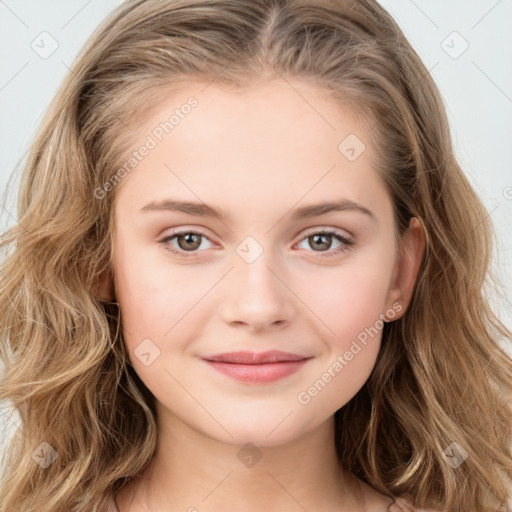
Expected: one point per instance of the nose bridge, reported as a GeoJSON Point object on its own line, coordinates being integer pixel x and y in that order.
{"type": "Point", "coordinates": [254, 268]}
{"type": "Point", "coordinates": [256, 295]}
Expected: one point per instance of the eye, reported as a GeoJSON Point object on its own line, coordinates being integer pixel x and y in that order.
{"type": "Point", "coordinates": [320, 240]}
{"type": "Point", "coordinates": [189, 241]}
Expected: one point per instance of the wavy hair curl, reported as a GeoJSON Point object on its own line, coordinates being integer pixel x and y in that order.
{"type": "Point", "coordinates": [442, 375]}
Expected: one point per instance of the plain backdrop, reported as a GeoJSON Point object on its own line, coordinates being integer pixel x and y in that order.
{"type": "Point", "coordinates": [465, 44]}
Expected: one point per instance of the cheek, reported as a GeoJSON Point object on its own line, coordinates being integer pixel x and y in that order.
{"type": "Point", "coordinates": [155, 310]}
{"type": "Point", "coordinates": [153, 298]}
{"type": "Point", "coordinates": [350, 305]}
{"type": "Point", "coordinates": [349, 300]}
{"type": "Point", "coordinates": [351, 329]}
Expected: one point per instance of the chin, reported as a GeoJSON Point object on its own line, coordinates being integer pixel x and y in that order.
{"type": "Point", "coordinates": [264, 431]}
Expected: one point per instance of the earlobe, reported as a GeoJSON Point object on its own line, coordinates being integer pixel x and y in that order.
{"type": "Point", "coordinates": [104, 287]}
{"type": "Point", "coordinates": [412, 247]}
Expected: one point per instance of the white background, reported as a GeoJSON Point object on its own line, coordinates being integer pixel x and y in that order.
{"type": "Point", "coordinates": [476, 88]}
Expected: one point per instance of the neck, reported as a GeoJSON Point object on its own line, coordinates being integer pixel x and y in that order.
{"type": "Point", "coordinates": [193, 472]}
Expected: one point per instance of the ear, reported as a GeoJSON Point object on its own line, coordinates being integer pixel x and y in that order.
{"type": "Point", "coordinates": [412, 246]}
{"type": "Point", "coordinates": [104, 287]}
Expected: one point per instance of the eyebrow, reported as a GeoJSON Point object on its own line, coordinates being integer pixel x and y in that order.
{"type": "Point", "coordinates": [304, 212]}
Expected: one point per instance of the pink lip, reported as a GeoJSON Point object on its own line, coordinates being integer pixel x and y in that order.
{"type": "Point", "coordinates": [271, 356]}
{"type": "Point", "coordinates": [258, 368]}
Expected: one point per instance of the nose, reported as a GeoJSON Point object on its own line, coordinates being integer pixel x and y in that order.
{"type": "Point", "coordinates": [257, 297]}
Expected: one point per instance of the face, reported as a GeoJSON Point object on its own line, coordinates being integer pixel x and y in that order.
{"type": "Point", "coordinates": [267, 273]}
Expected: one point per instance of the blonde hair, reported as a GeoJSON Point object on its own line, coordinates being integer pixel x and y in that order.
{"type": "Point", "coordinates": [442, 375]}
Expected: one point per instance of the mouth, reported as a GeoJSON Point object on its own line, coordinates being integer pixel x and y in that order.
{"type": "Point", "coordinates": [258, 368]}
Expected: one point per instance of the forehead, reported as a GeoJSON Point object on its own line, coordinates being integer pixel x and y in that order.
{"type": "Point", "coordinates": [244, 111]}
{"type": "Point", "coordinates": [286, 137]}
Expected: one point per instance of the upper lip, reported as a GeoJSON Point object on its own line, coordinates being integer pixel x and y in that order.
{"type": "Point", "coordinates": [272, 356]}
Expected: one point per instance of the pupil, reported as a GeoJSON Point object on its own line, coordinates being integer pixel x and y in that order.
{"type": "Point", "coordinates": [189, 239]}
{"type": "Point", "coordinates": [316, 239]}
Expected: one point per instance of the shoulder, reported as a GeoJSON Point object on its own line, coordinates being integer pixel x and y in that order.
{"type": "Point", "coordinates": [377, 502]}
{"type": "Point", "coordinates": [110, 504]}
{"type": "Point", "coordinates": [401, 505]}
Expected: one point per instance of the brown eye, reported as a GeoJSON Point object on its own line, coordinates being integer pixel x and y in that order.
{"type": "Point", "coordinates": [187, 242]}
{"type": "Point", "coordinates": [321, 242]}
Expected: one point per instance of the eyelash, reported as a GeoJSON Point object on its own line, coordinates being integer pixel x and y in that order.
{"type": "Point", "coordinates": [328, 254]}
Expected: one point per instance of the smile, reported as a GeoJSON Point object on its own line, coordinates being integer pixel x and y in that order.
{"type": "Point", "coordinates": [257, 368]}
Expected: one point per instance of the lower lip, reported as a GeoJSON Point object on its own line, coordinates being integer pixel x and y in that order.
{"type": "Point", "coordinates": [258, 373]}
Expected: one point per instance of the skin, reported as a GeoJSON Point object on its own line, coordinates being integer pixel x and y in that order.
{"type": "Point", "coordinates": [257, 153]}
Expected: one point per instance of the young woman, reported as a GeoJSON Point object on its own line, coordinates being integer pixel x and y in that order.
{"type": "Point", "coordinates": [249, 274]}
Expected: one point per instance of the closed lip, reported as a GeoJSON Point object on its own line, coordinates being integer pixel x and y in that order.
{"type": "Point", "coordinates": [271, 356]}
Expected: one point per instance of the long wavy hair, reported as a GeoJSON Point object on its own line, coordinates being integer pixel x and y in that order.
{"type": "Point", "coordinates": [442, 383]}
